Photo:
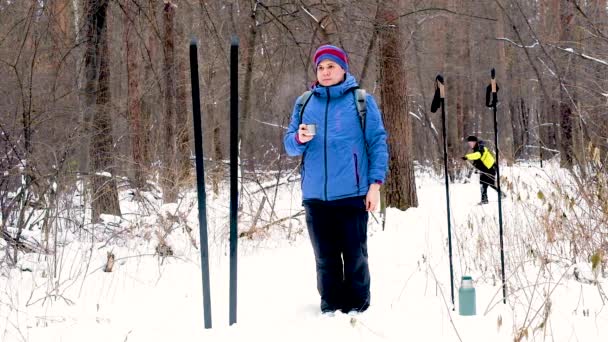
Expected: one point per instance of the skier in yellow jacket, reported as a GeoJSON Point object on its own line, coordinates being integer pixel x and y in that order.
{"type": "Point", "coordinates": [484, 161]}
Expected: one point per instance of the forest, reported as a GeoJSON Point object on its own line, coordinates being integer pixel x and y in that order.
{"type": "Point", "coordinates": [95, 94]}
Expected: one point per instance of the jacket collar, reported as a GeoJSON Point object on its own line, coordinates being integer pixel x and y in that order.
{"type": "Point", "coordinates": [336, 90]}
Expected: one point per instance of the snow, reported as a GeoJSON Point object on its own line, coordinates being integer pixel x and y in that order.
{"type": "Point", "coordinates": [601, 61]}
{"type": "Point", "coordinates": [584, 56]}
{"type": "Point", "coordinates": [110, 219]}
{"type": "Point", "coordinates": [518, 45]}
{"type": "Point", "coordinates": [148, 298]}
{"type": "Point", "coordinates": [104, 174]}
{"type": "Point", "coordinates": [416, 116]}
{"type": "Point", "coordinates": [271, 124]}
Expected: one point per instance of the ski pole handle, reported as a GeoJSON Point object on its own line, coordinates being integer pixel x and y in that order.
{"type": "Point", "coordinates": [441, 86]}
{"type": "Point", "coordinates": [492, 90]}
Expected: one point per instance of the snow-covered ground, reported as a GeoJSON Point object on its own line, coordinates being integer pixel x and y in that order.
{"type": "Point", "coordinates": [148, 298]}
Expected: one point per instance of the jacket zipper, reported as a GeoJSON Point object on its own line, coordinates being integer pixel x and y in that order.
{"type": "Point", "coordinates": [356, 171]}
{"type": "Point", "coordinates": [325, 140]}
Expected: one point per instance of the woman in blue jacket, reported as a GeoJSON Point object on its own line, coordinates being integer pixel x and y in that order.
{"type": "Point", "coordinates": [343, 166]}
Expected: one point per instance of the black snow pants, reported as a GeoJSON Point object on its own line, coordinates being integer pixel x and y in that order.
{"type": "Point", "coordinates": [338, 233]}
{"type": "Point", "coordinates": [487, 178]}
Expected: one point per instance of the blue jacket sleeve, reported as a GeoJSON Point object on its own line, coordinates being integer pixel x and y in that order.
{"type": "Point", "coordinates": [292, 146]}
{"type": "Point", "coordinates": [375, 137]}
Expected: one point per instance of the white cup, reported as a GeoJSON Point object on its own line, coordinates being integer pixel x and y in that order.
{"type": "Point", "coordinates": [311, 129]}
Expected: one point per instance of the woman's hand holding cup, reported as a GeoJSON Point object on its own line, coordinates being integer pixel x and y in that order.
{"type": "Point", "coordinates": [306, 132]}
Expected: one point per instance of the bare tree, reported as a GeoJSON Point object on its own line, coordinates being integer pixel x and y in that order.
{"type": "Point", "coordinates": [168, 174]}
{"type": "Point", "coordinates": [104, 192]}
{"type": "Point", "coordinates": [134, 105]}
{"type": "Point", "coordinates": [400, 184]}
{"type": "Point", "coordinates": [567, 74]}
{"type": "Point", "coordinates": [184, 119]}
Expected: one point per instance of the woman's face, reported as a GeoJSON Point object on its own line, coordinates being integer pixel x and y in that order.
{"type": "Point", "coordinates": [329, 73]}
{"type": "Point", "coordinates": [471, 144]}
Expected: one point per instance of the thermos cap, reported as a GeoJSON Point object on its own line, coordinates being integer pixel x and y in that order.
{"type": "Point", "coordinates": [467, 282]}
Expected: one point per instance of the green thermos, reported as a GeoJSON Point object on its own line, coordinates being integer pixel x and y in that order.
{"type": "Point", "coordinates": [466, 297]}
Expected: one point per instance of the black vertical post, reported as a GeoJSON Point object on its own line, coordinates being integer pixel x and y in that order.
{"type": "Point", "coordinates": [439, 99]}
{"type": "Point", "coordinates": [494, 104]}
{"type": "Point", "coordinates": [234, 134]}
{"type": "Point", "coordinates": [200, 181]}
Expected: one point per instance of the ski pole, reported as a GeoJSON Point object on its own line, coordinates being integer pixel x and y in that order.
{"type": "Point", "coordinates": [200, 181]}
{"type": "Point", "coordinates": [234, 126]}
{"type": "Point", "coordinates": [439, 100]}
{"type": "Point", "coordinates": [492, 101]}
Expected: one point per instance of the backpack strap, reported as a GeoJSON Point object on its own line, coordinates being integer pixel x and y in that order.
{"type": "Point", "coordinates": [360, 101]}
{"type": "Point", "coordinates": [360, 96]}
{"type": "Point", "coordinates": [302, 102]}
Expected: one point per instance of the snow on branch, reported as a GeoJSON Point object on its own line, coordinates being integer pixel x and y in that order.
{"type": "Point", "coordinates": [416, 116]}
{"type": "Point", "coordinates": [271, 124]}
{"type": "Point", "coordinates": [312, 16]}
{"type": "Point", "coordinates": [542, 148]}
{"type": "Point", "coordinates": [546, 66]}
{"type": "Point", "coordinates": [582, 55]}
{"type": "Point", "coordinates": [518, 45]}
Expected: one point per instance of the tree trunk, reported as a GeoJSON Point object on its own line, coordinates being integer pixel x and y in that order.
{"type": "Point", "coordinates": [504, 116]}
{"type": "Point", "coordinates": [400, 184]}
{"type": "Point", "coordinates": [245, 134]}
{"type": "Point", "coordinates": [104, 191]}
{"type": "Point", "coordinates": [431, 135]}
{"type": "Point", "coordinates": [60, 12]}
{"type": "Point", "coordinates": [168, 174]}
{"type": "Point", "coordinates": [94, 23]}
{"type": "Point", "coordinates": [567, 79]}
{"type": "Point", "coordinates": [184, 119]}
{"type": "Point", "coordinates": [211, 111]}
{"type": "Point", "coordinates": [470, 87]}
{"type": "Point", "coordinates": [150, 103]}
{"type": "Point", "coordinates": [453, 101]}
{"type": "Point", "coordinates": [134, 104]}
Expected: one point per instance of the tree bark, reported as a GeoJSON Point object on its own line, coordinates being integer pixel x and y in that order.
{"type": "Point", "coordinates": [184, 121]}
{"type": "Point", "coordinates": [248, 59]}
{"type": "Point", "coordinates": [134, 103]}
{"type": "Point", "coordinates": [505, 128]}
{"type": "Point", "coordinates": [94, 23]}
{"type": "Point", "coordinates": [168, 178]}
{"type": "Point", "coordinates": [151, 96]}
{"type": "Point", "coordinates": [548, 131]}
{"type": "Point", "coordinates": [453, 81]}
{"type": "Point", "coordinates": [431, 135]}
{"type": "Point", "coordinates": [104, 191]}
{"type": "Point", "coordinates": [566, 89]}
{"type": "Point", "coordinates": [216, 131]}
{"type": "Point", "coordinates": [400, 184]}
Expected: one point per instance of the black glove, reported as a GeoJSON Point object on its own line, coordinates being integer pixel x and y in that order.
{"type": "Point", "coordinates": [491, 98]}
{"type": "Point", "coordinates": [464, 158]}
{"type": "Point", "coordinates": [437, 98]}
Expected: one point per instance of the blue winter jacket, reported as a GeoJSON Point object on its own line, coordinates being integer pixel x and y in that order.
{"type": "Point", "coordinates": [336, 162]}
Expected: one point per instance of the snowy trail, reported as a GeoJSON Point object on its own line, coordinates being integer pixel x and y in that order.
{"type": "Point", "coordinates": [147, 300]}
{"type": "Point", "coordinates": [407, 299]}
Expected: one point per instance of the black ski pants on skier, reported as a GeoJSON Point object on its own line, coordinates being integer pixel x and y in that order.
{"type": "Point", "coordinates": [338, 233]}
{"type": "Point", "coordinates": [487, 178]}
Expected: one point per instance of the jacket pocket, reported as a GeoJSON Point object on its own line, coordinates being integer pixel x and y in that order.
{"type": "Point", "coordinates": [356, 169]}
